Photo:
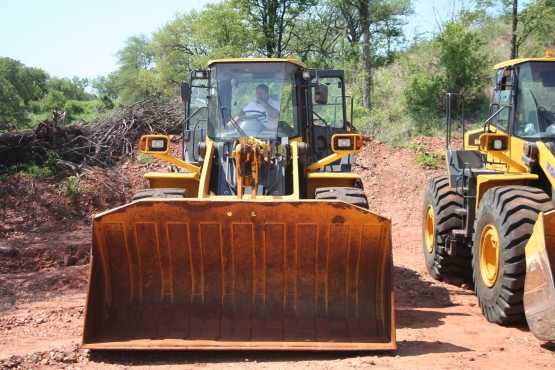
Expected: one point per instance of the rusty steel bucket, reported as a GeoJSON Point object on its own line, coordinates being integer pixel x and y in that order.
{"type": "Point", "coordinates": [539, 286]}
{"type": "Point", "coordinates": [240, 275]}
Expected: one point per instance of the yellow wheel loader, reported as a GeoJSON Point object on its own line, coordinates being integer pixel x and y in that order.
{"type": "Point", "coordinates": [490, 220]}
{"type": "Point", "coordinates": [262, 241]}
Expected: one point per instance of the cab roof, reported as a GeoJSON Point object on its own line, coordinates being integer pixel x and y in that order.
{"type": "Point", "coordinates": [513, 62]}
{"type": "Point", "coordinates": [258, 60]}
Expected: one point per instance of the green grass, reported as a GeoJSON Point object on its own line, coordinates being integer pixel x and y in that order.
{"type": "Point", "coordinates": [71, 186]}
{"type": "Point", "coordinates": [144, 158]}
{"type": "Point", "coordinates": [426, 158]}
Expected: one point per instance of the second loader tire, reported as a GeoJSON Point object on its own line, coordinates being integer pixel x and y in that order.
{"type": "Point", "coordinates": [159, 193]}
{"type": "Point", "coordinates": [439, 218]}
{"type": "Point", "coordinates": [354, 196]}
{"type": "Point", "coordinates": [504, 223]}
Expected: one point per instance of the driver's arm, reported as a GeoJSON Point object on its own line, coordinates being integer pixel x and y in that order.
{"type": "Point", "coordinates": [272, 112]}
{"type": "Point", "coordinates": [234, 119]}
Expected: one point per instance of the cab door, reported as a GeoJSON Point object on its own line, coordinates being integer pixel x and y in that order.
{"type": "Point", "coordinates": [196, 118]}
{"type": "Point", "coordinates": [327, 118]}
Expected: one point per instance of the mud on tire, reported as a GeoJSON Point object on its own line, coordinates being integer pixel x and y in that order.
{"type": "Point", "coordinates": [444, 201]}
{"type": "Point", "coordinates": [513, 211]}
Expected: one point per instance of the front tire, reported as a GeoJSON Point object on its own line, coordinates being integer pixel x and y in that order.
{"type": "Point", "coordinates": [354, 196]}
{"type": "Point", "coordinates": [440, 218]}
{"type": "Point", "coordinates": [503, 225]}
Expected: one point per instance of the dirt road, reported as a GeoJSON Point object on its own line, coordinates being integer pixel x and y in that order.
{"type": "Point", "coordinates": [439, 326]}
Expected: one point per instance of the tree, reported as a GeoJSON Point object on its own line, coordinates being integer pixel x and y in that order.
{"type": "Point", "coordinates": [317, 35]}
{"type": "Point", "coordinates": [274, 21]}
{"type": "Point", "coordinates": [135, 78]}
{"type": "Point", "coordinates": [222, 29]}
{"type": "Point", "coordinates": [176, 50]}
{"type": "Point", "coordinates": [380, 15]}
{"type": "Point", "coordinates": [12, 108]}
{"type": "Point", "coordinates": [30, 83]}
{"type": "Point", "coordinates": [19, 85]}
{"type": "Point", "coordinates": [535, 27]}
{"type": "Point", "coordinates": [460, 66]}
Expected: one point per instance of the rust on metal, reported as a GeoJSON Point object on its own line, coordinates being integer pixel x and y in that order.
{"type": "Point", "coordinates": [267, 275]}
{"type": "Point", "coordinates": [539, 286]}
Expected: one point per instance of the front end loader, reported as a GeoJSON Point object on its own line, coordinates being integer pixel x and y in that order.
{"type": "Point", "coordinates": [491, 219]}
{"type": "Point", "coordinates": [262, 240]}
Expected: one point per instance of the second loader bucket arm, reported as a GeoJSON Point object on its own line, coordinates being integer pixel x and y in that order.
{"type": "Point", "coordinates": [539, 287]}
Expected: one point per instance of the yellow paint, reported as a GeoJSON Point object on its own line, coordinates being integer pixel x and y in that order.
{"type": "Point", "coordinates": [469, 136]}
{"type": "Point", "coordinates": [536, 243]}
{"type": "Point", "coordinates": [490, 246]}
{"type": "Point", "coordinates": [296, 173]}
{"type": "Point", "coordinates": [164, 155]}
{"type": "Point", "coordinates": [178, 162]}
{"type": "Point", "coordinates": [144, 143]}
{"type": "Point", "coordinates": [486, 182]}
{"type": "Point", "coordinates": [258, 60]}
{"type": "Point", "coordinates": [547, 162]}
{"type": "Point", "coordinates": [430, 231]}
{"type": "Point", "coordinates": [188, 181]}
{"type": "Point", "coordinates": [513, 62]}
{"type": "Point", "coordinates": [329, 179]}
{"type": "Point", "coordinates": [204, 183]}
{"type": "Point", "coordinates": [325, 161]}
{"type": "Point", "coordinates": [356, 139]}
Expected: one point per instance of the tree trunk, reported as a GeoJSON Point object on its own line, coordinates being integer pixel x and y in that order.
{"type": "Point", "coordinates": [366, 54]}
{"type": "Point", "coordinates": [514, 48]}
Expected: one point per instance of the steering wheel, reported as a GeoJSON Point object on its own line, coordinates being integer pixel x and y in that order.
{"type": "Point", "coordinates": [253, 114]}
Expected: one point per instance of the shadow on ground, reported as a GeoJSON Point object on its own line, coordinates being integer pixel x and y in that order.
{"type": "Point", "coordinates": [416, 347]}
{"type": "Point", "coordinates": [192, 357]}
{"type": "Point", "coordinates": [413, 290]}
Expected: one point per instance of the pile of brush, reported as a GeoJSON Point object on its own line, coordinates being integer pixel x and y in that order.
{"type": "Point", "coordinates": [105, 140]}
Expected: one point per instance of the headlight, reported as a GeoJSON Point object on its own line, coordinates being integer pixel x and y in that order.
{"type": "Point", "coordinates": [157, 144]}
{"type": "Point", "coordinates": [344, 143]}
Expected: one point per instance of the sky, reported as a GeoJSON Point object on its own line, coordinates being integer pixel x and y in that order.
{"type": "Point", "coordinates": [70, 38]}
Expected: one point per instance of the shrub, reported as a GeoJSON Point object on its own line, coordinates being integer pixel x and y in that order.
{"type": "Point", "coordinates": [71, 186]}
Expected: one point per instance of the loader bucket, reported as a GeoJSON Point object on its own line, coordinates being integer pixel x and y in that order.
{"type": "Point", "coordinates": [539, 287]}
{"type": "Point", "coordinates": [240, 275]}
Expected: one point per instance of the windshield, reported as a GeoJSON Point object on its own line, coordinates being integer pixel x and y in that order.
{"type": "Point", "coordinates": [252, 99]}
{"type": "Point", "coordinates": [535, 114]}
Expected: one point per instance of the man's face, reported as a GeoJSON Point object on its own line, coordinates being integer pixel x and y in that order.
{"type": "Point", "coordinates": [261, 95]}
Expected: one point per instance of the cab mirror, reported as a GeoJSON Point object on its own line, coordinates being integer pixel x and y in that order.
{"type": "Point", "coordinates": [151, 144]}
{"type": "Point", "coordinates": [185, 92]}
{"type": "Point", "coordinates": [321, 94]}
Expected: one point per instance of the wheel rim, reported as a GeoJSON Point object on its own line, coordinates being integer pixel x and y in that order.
{"type": "Point", "coordinates": [430, 231]}
{"type": "Point", "coordinates": [489, 255]}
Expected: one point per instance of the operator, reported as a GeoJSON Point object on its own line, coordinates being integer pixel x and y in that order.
{"type": "Point", "coordinates": [263, 104]}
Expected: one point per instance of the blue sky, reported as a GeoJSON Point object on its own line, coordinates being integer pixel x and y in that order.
{"type": "Point", "coordinates": [80, 38]}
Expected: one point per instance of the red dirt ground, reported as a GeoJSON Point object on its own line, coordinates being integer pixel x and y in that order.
{"type": "Point", "coordinates": [44, 245]}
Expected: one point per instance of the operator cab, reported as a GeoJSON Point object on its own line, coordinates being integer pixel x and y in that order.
{"type": "Point", "coordinates": [267, 103]}
{"type": "Point", "coordinates": [524, 98]}
{"type": "Point", "coordinates": [267, 98]}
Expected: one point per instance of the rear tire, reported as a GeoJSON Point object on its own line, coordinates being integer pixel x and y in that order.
{"type": "Point", "coordinates": [440, 218]}
{"type": "Point", "coordinates": [507, 215]}
{"type": "Point", "coordinates": [354, 196]}
{"type": "Point", "coordinates": [159, 193]}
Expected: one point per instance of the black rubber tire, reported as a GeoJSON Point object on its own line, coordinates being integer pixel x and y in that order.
{"type": "Point", "coordinates": [354, 196]}
{"type": "Point", "coordinates": [513, 211]}
{"type": "Point", "coordinates": [159, 193]}
{"type": "Point", "coordinates": [444, 201]}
